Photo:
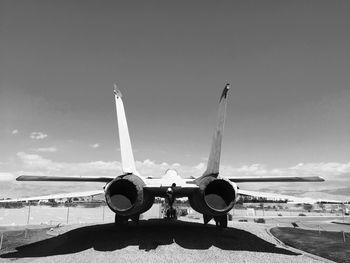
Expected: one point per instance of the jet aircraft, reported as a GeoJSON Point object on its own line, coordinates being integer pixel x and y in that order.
{"type": "Point", "coordinates": [130, 194]}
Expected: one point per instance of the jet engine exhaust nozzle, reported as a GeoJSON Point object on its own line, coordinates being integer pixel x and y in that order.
{"type": "Point", "coordinates": [219, 195]}
{"type": "Point", "coordinates": [125, 195]}
{"type": "Point", "coordinates": [215, 196]}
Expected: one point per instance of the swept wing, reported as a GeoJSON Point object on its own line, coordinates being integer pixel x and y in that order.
{"type": "Point", "coordinates": [102, 179]}
{"type": "Point", "coordinates": [287, 198]}
{"type": "Point", "coordinates": [276, 179]}
{"type": "Point", "coordinates": [54, 196]}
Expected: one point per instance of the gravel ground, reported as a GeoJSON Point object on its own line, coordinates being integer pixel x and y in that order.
{"type": "Point", "coordinates": [160, 241]}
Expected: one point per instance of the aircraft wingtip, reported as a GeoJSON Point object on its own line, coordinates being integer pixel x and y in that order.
{"type": "Point", "coordinates": [224, 92]}
{"type": "Point", "coordinates": [117, 91]}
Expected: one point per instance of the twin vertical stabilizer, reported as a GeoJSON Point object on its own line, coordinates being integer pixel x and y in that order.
{"type": "Point", "coordinates": [128, 162]}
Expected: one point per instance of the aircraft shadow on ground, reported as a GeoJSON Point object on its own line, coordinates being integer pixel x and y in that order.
{"type": "Point", "coordinates": [148, 235]}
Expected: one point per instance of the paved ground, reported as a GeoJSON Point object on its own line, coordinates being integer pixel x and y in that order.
{"type": "Point", "coordinates": [326, 244]}
{"type": "Point", "coordinates": [159, 241]}
{"type": "Point", "coordinates": [311, 222]}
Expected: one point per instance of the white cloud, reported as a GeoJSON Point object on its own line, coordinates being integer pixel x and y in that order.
{"type": "Point", "coordinates": [38, 135]}
{"type": "Point", "coordinates": [7, 176]}
{"type": "Point", "coordinates": [201, 166]}
{"type": "Point", "coordinates": [46, 149]}
{"type": "Point", "coordinates": [15, 131]}
{"type": "Point", "coordinates": [95, 145]}
{"type": "Point", "coordinates": [35, 161]}
{"type": "Point", "coordinates": [331, 170]}
{"type": "Point", "coordinates": [148, 162]}
{"type": "Point", "coordinates": [336, 174]}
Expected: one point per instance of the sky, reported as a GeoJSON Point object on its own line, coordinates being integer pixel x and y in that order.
{"type": "Point", "coordinates": [288, 63]}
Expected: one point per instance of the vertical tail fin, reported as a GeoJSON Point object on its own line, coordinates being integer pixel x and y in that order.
{"type": "Point", "coordinates": [215, 151]}
{"type": "Point", "coordinates": [128, 162]}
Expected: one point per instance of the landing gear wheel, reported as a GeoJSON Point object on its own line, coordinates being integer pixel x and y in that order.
{"type": "Point", "coordinates": [171, 213]}
{"type": "Point", "coordinates": [120, 221]}
{"type": "Point", "coordinates": [135, 219]}
{"type": "Point", "coordinates": [206, 219]}
{"type": "Point", "coordinates": [221, 221]}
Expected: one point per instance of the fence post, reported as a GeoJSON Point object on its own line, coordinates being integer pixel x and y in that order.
{"type": "Point", "coordinates": [263, 210]}
{"type": "Point", "coordinates": [67, 214]}
{"type": "Point", "coordinates": [159, 211]}
{"type": "Point", "coordinates": [319, 230]}
{"type": "Point", "coordinates": [28, 214]}
{"type": "Point", "coordinates": [2, 238]}
{"type": "Point", "coordinates": [343, 235]}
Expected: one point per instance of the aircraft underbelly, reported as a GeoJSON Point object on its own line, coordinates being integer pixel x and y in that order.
{"type": "Point", "coordinates": [161, 191]}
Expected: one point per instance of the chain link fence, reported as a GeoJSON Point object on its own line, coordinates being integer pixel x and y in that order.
{"type": "Point", "coordinates": [36, 215]}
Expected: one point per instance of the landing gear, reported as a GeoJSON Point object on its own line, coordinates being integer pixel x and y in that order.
{"type": "Point", "coordinates": [135, 219]}
{"type": "Point", "coordinates": [171, 211]}
{"type": "Point", "coordinates": [124, 221]}
{"type": "Point", "coordinates": [220, 221]}
{"type": "Point", "coordinates": [120, 220]}
{"type": "Point", "coordinates": [206, 219]}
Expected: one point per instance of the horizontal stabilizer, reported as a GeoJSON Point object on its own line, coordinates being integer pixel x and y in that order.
{"type": "Point", "coordinates": [289, 199]}
{"type": "Point", "coordinates": [276, 179]}
{"type": "Point", "coordinates": [275, 197]}
{"type": "Point", "coordinates": [65, 178]}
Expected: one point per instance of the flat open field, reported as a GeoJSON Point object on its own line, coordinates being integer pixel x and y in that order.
{"type": "Point", "coordinates": [329, 245]}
